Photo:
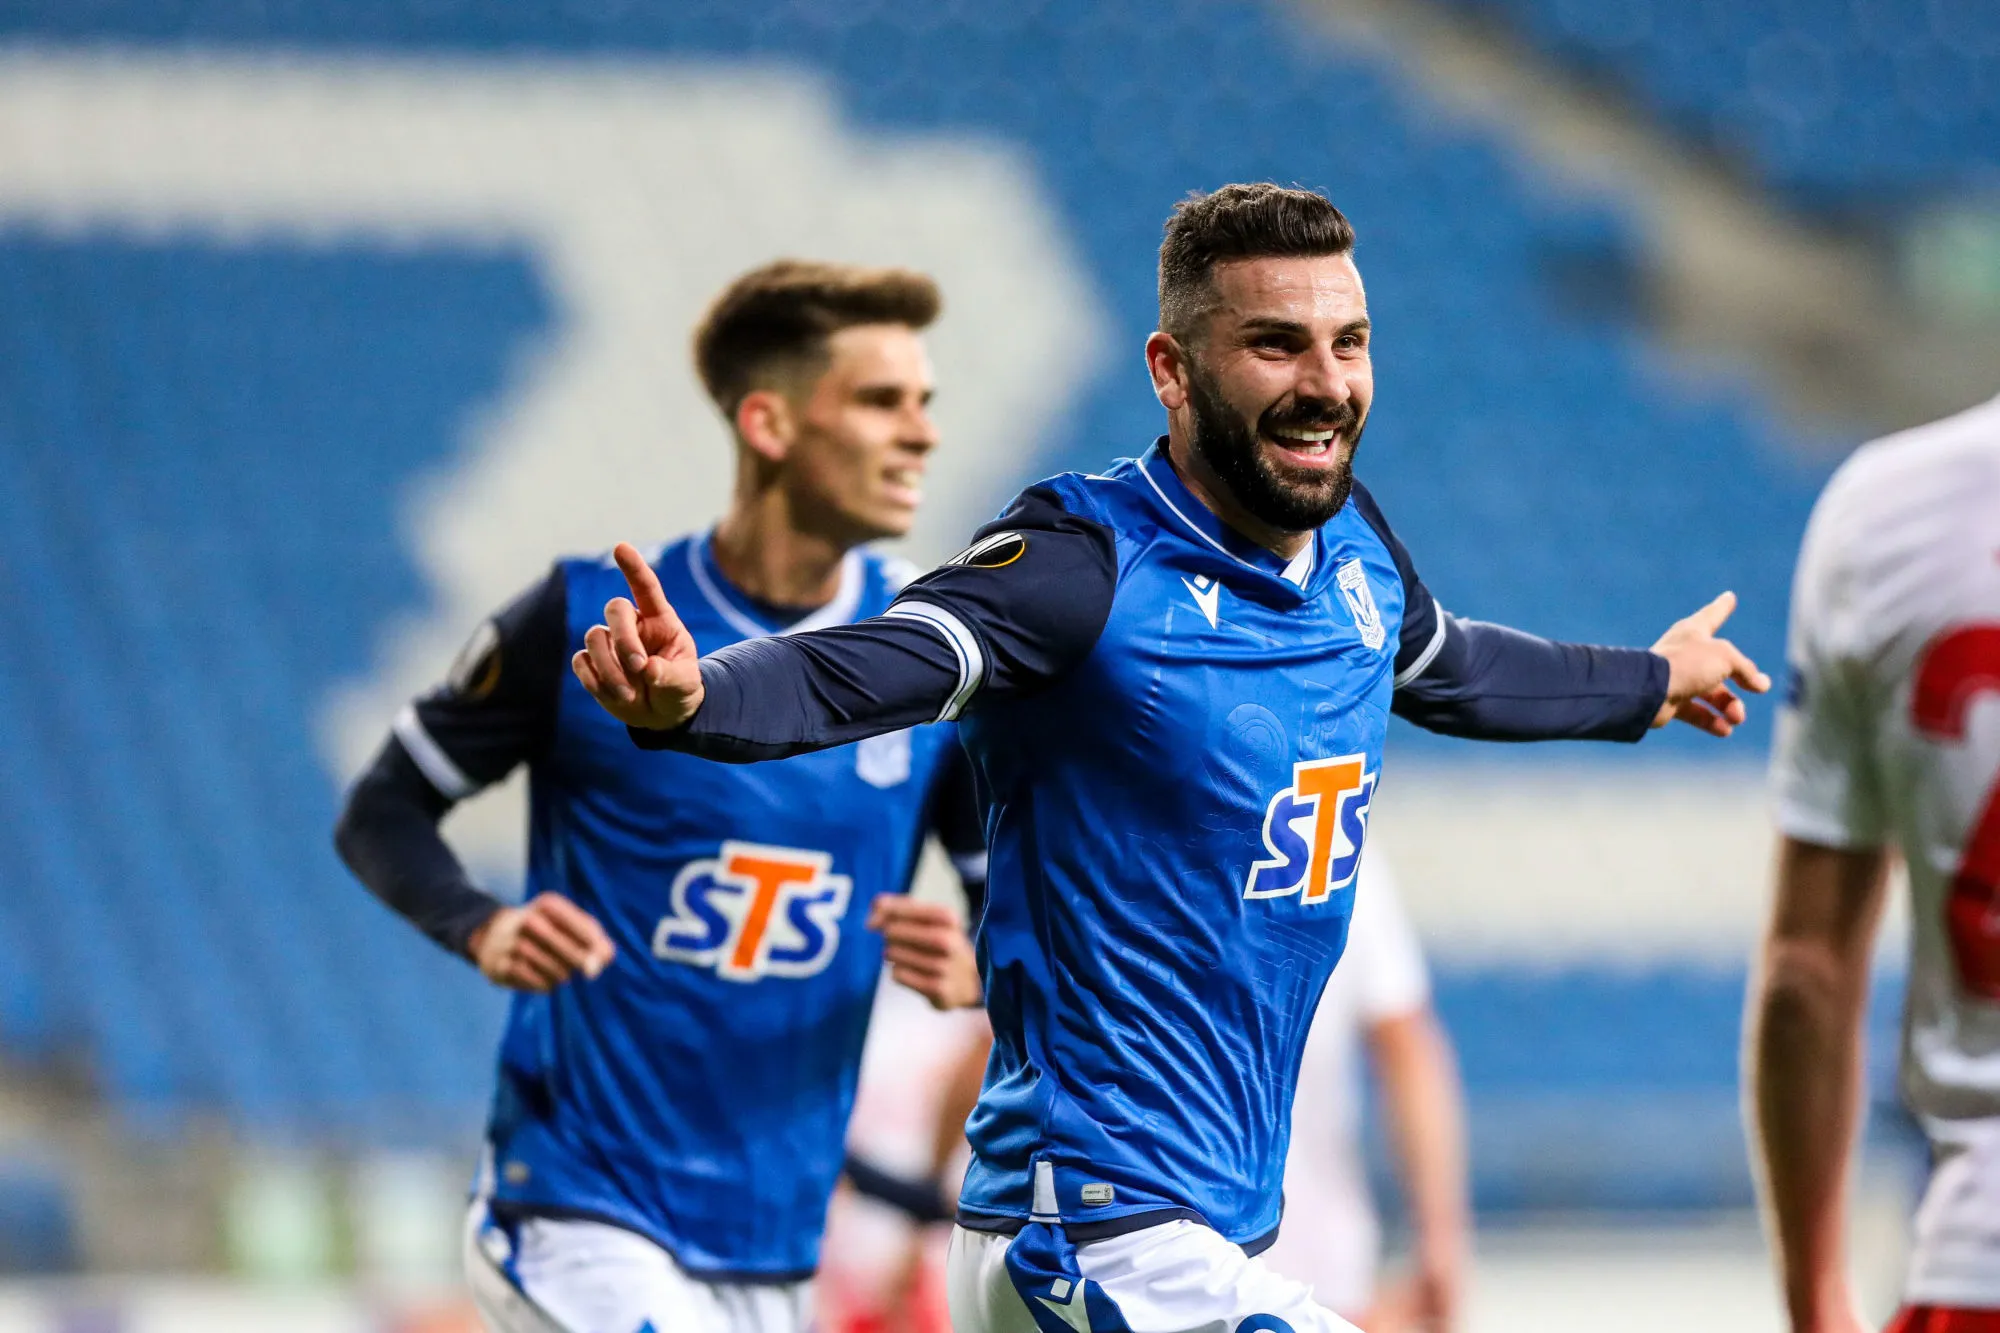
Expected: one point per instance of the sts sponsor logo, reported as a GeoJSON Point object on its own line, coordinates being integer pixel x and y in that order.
{"type": "Point", "coordinates": [755, 911]}
{"type": "Point", "coordinates": [1313, 831]}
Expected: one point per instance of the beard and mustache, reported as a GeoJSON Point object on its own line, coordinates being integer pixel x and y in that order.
{"type": "Point", "coordinates": [1229, 446]}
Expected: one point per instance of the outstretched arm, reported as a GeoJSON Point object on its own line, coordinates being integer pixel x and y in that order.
{"type": "Point", "coordinates": [1487, 682]}
{"type": "Point", "coordinates": [1807, 1001]}
{"type": "Point", "coordinates": [974, 626]}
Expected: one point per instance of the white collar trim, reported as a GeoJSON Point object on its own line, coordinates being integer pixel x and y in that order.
{"type": "Point", "coordinates": [839, 611]}
{"type": "Point", "coordinates": [1295, 573]}
{"type": "Point", "coordinates": [1193, 526]}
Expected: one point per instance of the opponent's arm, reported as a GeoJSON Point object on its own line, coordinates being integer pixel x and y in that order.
{"type": "Point", "coordinates": [1426, 1115]}
{"type": "Point", "coordinates": [1831, 803]}
{"type": "Point", "coordinates": [1807, 1003]}
{"type": "Point", "coordinates": [966, 629]}
{"type": "Point", "coordinates": [496, 711]}
{"type": "Point", "coordinates": [1468, 678]}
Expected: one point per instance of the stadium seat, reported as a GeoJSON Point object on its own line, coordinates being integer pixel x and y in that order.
{"type": "Point", "coordinates": [1865, 109]}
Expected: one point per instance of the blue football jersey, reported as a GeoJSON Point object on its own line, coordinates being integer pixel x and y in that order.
{"type": "Point", "coordinates": [1179, 737]}
{"type": "Point", "coordinates": [1186, 880]}
{"type": "Point", "coordinates": [697, 1092]}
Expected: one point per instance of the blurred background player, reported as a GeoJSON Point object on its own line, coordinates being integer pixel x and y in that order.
{"type": "Point", "coordinates": [1890, 741]}
{"type": "Point", "coordinates": [668, 1123]}
{"type": "Point", "coordinates": [1378, 1001]}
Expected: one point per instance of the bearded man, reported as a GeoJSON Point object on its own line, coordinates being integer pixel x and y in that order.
{"type": "Point", "coordinates": [1174, 679]}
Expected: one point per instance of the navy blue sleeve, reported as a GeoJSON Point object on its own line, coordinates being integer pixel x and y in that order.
{"type": "Point", "coordinates": [1012, 612]}
{"type": "Point", "coordinates": [497, 706]}
{"type": "Point", "coordinates": [388, 836]}
{"type": "Point", "coordinates": [921, 1200]}
{"type": "Point", "coordinates": [495, 710]}
{"type": "Point", "coordinates": [958, 821]}
{"type": "Point", "coordinates": [1487, 682]}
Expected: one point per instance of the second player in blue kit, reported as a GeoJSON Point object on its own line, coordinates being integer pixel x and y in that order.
{"type": "Point", "coordinates": [694, 964]}
{"type": "Point", "coordinates": [1174, 679]}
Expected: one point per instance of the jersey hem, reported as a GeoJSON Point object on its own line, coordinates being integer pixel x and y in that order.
{"type": "Point", "coordinates": [1082, 1233]}
{"type": "Point", "coordinates": [511, 1212]}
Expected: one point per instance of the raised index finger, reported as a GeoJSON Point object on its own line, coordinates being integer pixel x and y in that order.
{"type": "Point", "coordinates": [1710, 617]}
{"type": "Point", "coordinates": [647, 595]}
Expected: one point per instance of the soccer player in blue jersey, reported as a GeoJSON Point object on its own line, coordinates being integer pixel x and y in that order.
{"type": "Point", "coordinates": [694, 978]}
{"type": "Point", "coordinates": [1174, 679]}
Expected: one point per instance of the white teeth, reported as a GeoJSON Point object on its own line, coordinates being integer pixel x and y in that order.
{"type": "Point", "coordinates": [1310, 436]}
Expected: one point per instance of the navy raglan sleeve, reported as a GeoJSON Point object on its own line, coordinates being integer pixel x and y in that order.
{"type": "Point", "coordinates": [1487, 682]}
{"type": "Point", "coordinates": [1006, 616]}
{"type": "Point", "coordinates": [495, 710]}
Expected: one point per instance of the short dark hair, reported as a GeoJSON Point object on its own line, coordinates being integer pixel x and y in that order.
{"type": "Point", "coordinates": [776, 320]}
{"type": "Point", "coordinates": [1239, 222]}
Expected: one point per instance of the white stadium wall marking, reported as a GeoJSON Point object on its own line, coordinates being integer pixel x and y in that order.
{"type": "Point", "coordinates": [639, 189]}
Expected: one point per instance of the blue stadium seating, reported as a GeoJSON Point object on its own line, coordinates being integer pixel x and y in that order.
{"type": "Point", "coordinates": [38, 1225]}
{"type": "Point", "coordinates": [232, 425]}
{"type": "Point", "coordinates": [173, 418]}
{"type": "Point", "coordinates": [1616, 1088]}
{"type": "Point", "coordinates": [1865, 107]}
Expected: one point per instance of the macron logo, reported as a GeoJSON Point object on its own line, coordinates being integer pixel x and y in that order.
{"type": "Point", "coordinates": [1207, 593]}
{"type": "Point", "coordinates": [1071, 1311]}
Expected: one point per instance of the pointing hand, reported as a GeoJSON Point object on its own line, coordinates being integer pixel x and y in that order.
{"type": "Point", "coordinates": [1700, 669]}
{"type": "Point", "coordinates": [641, 663]}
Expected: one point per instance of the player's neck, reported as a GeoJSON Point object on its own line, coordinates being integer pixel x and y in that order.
{"type": "Point", "coordinates": [1208, 488]}
{"type": "Point", "coordinates": [768, 556]}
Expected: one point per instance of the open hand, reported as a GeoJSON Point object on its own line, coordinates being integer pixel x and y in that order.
{"type": "Point", "coordinates": [927, 950]}
{"type": "Point", "coordinates": [641, 663]}
{"type": "Point", "coordinates": [1700, 669]}
{"type": "Point", "coordinates": [540, 944]}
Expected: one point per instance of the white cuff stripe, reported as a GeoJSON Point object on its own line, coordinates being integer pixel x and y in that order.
{"type": "Point", "coordinates": [969, 865]}
{"type": "Point", "coordinates": [1428, 655]}
{"type": "Point", "coordinates": [430, 758]}
{"type": "Point", "coordinates": [971, 658]}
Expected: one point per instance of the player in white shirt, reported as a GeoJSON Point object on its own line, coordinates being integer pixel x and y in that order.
{"type": "Point", "coordinates": [1890, 742]}
{"type": "Point", "coordinates": [1378, 998]}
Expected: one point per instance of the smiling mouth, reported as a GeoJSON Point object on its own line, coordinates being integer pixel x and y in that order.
{"type": "Point", "coordinates": [1305, 443]}
{"type": "Point", "coordinates": [907, 483]}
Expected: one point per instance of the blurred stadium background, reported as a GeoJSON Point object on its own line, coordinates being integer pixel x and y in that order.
{"type": "Point", "coordinates": [323, 326]}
